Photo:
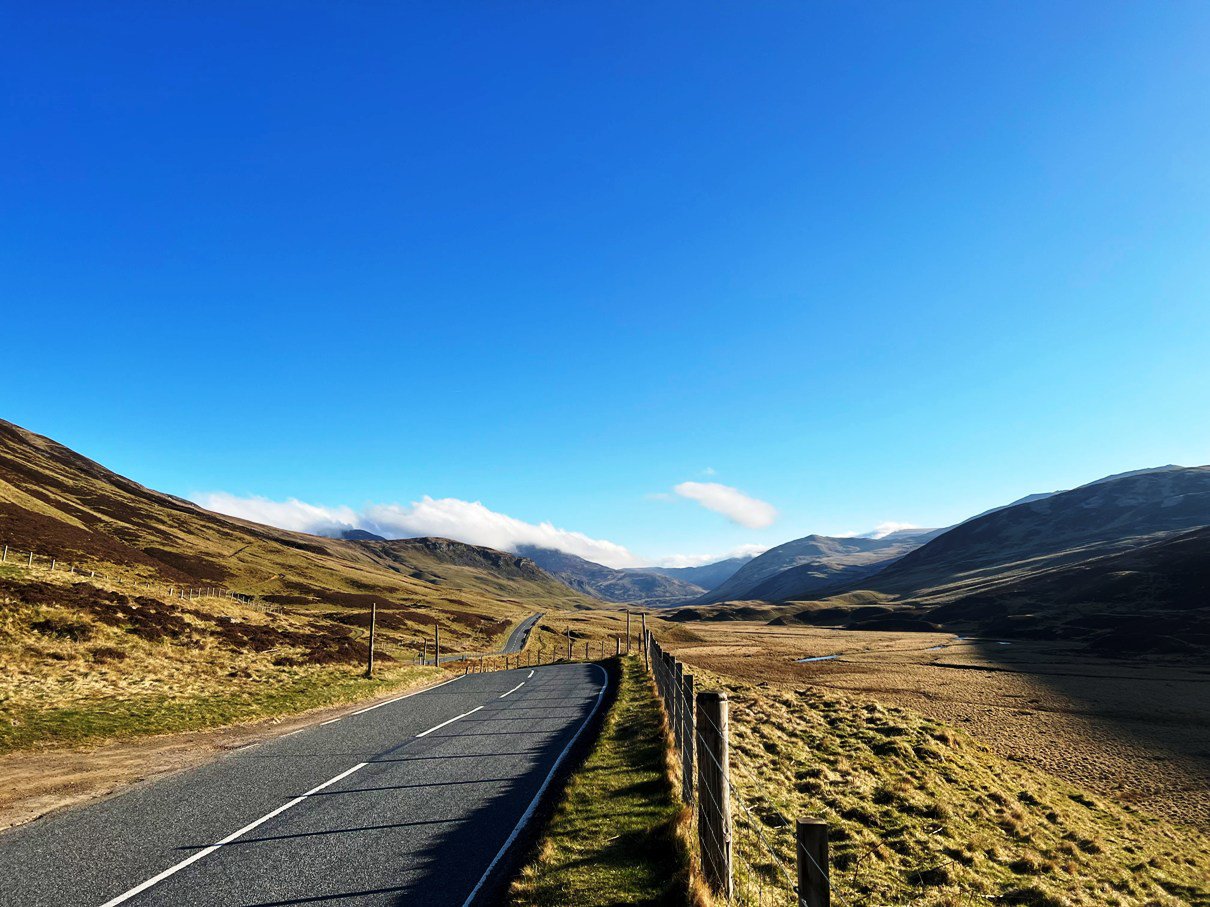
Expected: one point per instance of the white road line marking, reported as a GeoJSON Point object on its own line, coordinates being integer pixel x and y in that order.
{"type": "Point", "coordinates": [155, 880]}
{"type": "Point", "coordinates": [292, 733]}
{"type": "Point", "coordinates": [451, 721]}
{"type": "Point", "coordinates": [533, 804]}
{"type": "Point", "coordinates": [329, 721]}
{"type": "Point", "coordinates": [514, 689]}
{"type": "Point", "coordinates": [408, 695]}
{"type": "Point", "coordinates": [531, 673]}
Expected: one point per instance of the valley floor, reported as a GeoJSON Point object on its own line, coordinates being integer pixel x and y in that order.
{"type": "Point", "coordinates": [1137, 732]}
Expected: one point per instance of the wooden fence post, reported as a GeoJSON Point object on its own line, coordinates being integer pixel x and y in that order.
{"type": "Point", "coordinates": [627, 631]}
{"type": "Point", "coordinates": [714, 801]}
{"type": "Point", "coordinates": [646, 643]}
{"type": "Point", "coordinates": [678, 711]}
{"type": "Point", "coordinates": [813, 869]}
{"type": "Point", "coordinates": [687, 740]}
{"type": "Point", "coordinates": [373, 628]}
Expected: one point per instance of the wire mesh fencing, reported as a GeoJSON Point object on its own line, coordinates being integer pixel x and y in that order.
{"type": "Point", "coordinates": [747, 856]}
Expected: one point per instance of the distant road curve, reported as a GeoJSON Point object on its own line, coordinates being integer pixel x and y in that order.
{"type": "Point", "coordinates": [417, 800]}
{"type": "Point", "coordinates": [515, 642]}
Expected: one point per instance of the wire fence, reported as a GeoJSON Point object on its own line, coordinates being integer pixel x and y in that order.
{"type": "Point", "coordinates": [50, 564]}
{"type": "Point", "coordinates": [748, 855]}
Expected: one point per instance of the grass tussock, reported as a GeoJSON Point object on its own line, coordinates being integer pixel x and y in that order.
{"type": "Point", "coordinates": [921, 813]}
{"type": "Point", "coordinates": [619, 835]}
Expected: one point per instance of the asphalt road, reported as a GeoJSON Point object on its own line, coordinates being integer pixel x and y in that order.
{"type": "Point", "coordinates": [515, 642]}
{"type": "Point", "coordinates": [416, 801]}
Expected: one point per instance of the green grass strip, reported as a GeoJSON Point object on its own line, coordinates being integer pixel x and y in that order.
{"type": "Point", "coordinates": [612, 840]}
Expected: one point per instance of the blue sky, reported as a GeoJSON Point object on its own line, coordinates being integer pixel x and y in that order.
{"type": "Point", "coordinates": [865, 263]}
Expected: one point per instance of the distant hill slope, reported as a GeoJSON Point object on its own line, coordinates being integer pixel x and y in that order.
{"type": "Point", "coordinates": [1153, 598]}
{"type": "Point", "coordinates": [808, 567]}
{"type": "Point", "coordinates": [607, 583]}
{"type": "Point", "coordinates": [706, 576]}
{"type": "Point", "coordinates": [1095, 519]}
{"type": "Point", "coordinates": [58, 502]}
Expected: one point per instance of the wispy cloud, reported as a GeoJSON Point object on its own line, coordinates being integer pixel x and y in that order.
{"type": "Point", "coordinates": [697, 560]}
{"type": "Point", "coordinates": [730, 502]}
{"type": "Point", "coordinates": [886, 528]}
{"type": "Point", "coordinates": [465, 521]}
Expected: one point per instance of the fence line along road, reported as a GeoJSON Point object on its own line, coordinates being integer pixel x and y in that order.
{"type": "Point", "coordinates": [736, 853]}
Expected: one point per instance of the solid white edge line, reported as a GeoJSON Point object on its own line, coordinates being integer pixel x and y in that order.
{"type": "Point", "coordinates": [330, 721]}
{"type": "Point", "coordinates": [156, 879]}
{"type": "Point", "coordinates": [533, 804]}
{"type": "Point", "coordinates": [450, 721]}
{"type": "Point", "coordinates": [407, 695]}
{"type": "Point", "coordinates": [514, 689]}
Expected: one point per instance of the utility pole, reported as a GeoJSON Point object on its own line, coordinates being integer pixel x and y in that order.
{"type": "Point", "coordinates": [373, 628]}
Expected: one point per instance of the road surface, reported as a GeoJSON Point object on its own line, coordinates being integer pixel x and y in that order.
{"type": "Point", "coordinates": [414, 801]}
{"type": "Point", "coordinates": [515, 642]}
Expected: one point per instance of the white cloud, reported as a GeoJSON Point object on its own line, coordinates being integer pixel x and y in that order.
{"type": "Point", "coordinates": [465, 521]}
{"type": "Point", "coordinates": [730, 502]}
{"type": "Point", "coordinates": [697, 560]}
{"type": "Point", "coordinates": [292, 514]}
{"type": "Point", "coordinates": [886, 528]}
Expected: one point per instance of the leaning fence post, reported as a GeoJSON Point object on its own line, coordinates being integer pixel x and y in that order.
{"type": "Point", "coordinates": [31, 560]}
{"type": "Point", "coordinates": [714, 802]}
{"type": "Point", "coordinates": [812, 849]}
{"type": "Point", "coordinates": [687, 740]}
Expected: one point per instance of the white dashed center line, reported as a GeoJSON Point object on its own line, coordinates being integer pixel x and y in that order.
{"type": "Point", "coordinates": [514, 689]}
{"type": "Point", "coordinates": [155, 880]}
{"type": "Point", "coordinates": [451, 721]}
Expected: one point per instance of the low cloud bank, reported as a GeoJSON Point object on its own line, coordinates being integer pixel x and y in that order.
{"type": "Point", "coordinates": [465, 521]}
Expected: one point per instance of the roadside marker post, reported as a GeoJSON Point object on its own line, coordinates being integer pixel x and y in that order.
{"type": "Point", "coordinates": [437, 644]}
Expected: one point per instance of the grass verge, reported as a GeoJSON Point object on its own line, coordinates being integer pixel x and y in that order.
{"type": "Point", "coordinates": [613, 839]}
{"type": "Point", "coordinates": [922, 813]}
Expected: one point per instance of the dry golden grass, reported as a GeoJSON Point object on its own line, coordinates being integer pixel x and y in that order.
{"type": "Point", "coordinates": [75, 675]}
{"type": "Point", "coordinates": [921, 811]}
{"type": "Point", "coordinates": [1135, 732]}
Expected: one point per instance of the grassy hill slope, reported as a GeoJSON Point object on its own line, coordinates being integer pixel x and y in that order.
{"type": "Point", "coordinates": [120, 653]}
